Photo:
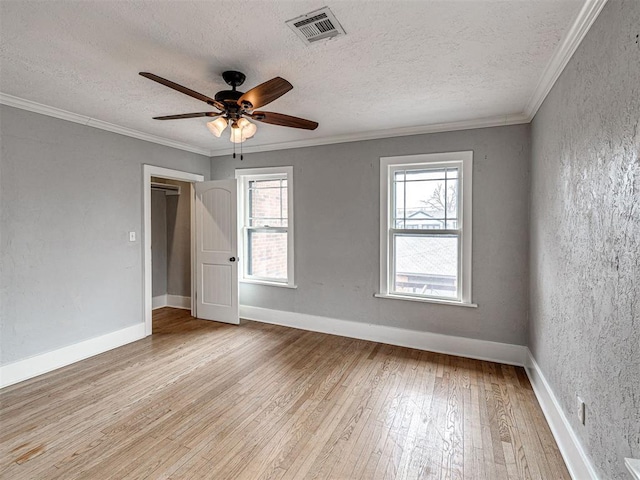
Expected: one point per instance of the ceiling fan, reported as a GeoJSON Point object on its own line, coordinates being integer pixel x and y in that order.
{"type": "Point", "coordinates": [236, 106]}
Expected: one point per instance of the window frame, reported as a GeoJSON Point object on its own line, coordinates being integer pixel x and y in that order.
{"type": "Point", "coordinates": [244, 176]}
{"type": "Point", "coordinates": [388, 165]}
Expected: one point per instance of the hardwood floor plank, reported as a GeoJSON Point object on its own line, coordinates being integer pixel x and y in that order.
{"type": "Point", "coordinates": [359, 417]}
{"type": "Point", "coordinates": [453, 454]}
{"type": "Point", "coordinates": [409, 459]}
{"type": "Point", "coordinates": [383, 420]}
{"type": "Point", "coordinates": [525, 464]}
{"type": "Point", "coordinates": [201, 399]}
{"type": "Point", "coordinates": [327, 445]}
{"type": "Point", "coordinates": [269, 457]}
{"type": "Point", "coordinates": [424, 455]}
{"type": "Point", "coordinates": [371, 428]}
{"type": "Point", "coordinates": [396, 436]}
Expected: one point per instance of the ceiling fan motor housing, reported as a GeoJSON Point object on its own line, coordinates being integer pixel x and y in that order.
{"type": "Point", "coordinates": [228, 96]}
{"type": "Point", "coordinates": [233, 78]}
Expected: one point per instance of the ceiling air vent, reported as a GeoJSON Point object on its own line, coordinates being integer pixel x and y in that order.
{"type": "Point", "coordinates": [316, 25]}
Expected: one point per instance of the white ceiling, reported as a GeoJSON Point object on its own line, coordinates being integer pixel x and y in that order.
{"type": "Point", "coordinates": [403, 64]}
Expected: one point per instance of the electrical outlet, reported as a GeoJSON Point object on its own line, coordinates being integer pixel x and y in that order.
{"type": "Point", "coordinates": [581, 410]}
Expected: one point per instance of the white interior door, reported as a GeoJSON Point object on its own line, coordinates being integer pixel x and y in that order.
{"type": "Point", "coordinates": [216, 251]}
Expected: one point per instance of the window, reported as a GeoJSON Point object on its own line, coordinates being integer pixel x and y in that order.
{"type": "Point", "coordinates": [425, 228]}
{"type": "Point", "coordinates": [266, 225]}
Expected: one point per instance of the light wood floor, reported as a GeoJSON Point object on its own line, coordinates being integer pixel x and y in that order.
{"type": "Point", "coordinates": [206, 400]}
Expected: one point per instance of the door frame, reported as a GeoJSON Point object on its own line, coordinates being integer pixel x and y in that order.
{"type": "Point", "coordinates": [149, 171]}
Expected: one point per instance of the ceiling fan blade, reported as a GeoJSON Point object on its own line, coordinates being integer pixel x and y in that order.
{"type": "Point", "coordinates": [265, 93]}
{"type": "Point", "coordinates": [189, 115]}
{"type": "Point", "coordinates": [284, 120]}
{"type": "Point", "coordinates": [181, 89]}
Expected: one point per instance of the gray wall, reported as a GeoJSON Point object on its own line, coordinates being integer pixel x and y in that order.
{"type": "Point", "coordinates": [171, 240]}
{"type": "Point", "coordinates": [69, 195]}
{"type": "Point", "coordinates": [337, 233]}
{"type": "Point", "coordinates": [158, 243]}
{"type": "Point", "coordinates": [179, 240]}
{"type": "Point", "coordinates": [585, 238]}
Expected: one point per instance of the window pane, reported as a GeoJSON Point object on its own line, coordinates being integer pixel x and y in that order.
{"type": "Point", "coordinates": [274, 183]}
{"type": "Point", "coordinates": [267, 222]}
{"type": "Point", "coordinates": [398, 210]}
{"type": "Point", "coordinates": [427, 199]}
{"type": "Point", "coordinates": [267, 203]}
{"type": "Point", "coordinates": [431, 200]}
{"type": "Point", "coordinates": [452, 198]}
{"type": "Point", "coordinates": [426, 265]}
{"type": "Point", "coordinates": [267, 255]}
{"type": "Point", "coordinates": [425, 223]}
{"type": "Point", "coordinates": [426, 174]}
{"type": "Point", "coordinates": [284, 198]}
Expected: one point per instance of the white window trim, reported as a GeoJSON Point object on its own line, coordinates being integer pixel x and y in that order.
{"type": "Point", "coordinates": [466, 181]}
{"type": "Point", "coordinates": [242, 175]}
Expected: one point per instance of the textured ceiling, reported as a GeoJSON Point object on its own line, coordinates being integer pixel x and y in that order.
{"type": "Point", "coordinates": [402, 63]}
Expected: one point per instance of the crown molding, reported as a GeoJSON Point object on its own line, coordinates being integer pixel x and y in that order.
{"type": "Point", "coordinates": [565, 50]}
{"type": "Point", "coordinates": [23, 104]}
{"type": "Point", "coordinates": [497, 121]}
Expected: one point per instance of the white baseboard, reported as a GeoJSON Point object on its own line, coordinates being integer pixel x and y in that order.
{"type": "Point", "coordinates": [168, 300]}
{"type": "Point", "coordinates": [433, 342]}
{"type": "Point", "coordinates": [578, 463]}
{"type": "Point", "coordinates": [159, 301]}
{"type": "Point", "coordinates": [46, 362]}
{"type": "Point", "coordinates": [178, 301]}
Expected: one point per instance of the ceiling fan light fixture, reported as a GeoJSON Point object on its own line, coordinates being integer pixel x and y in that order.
{"type": "Point", "coordinates": [248, 129]}
{"type": "Point", "coordinates": [217, 126]}
{"type": "Point", "coordinates": [236, 134]}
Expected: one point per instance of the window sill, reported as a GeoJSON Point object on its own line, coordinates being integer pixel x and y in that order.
{"type": "Point", "coordinates": [426, 300]}
{"type": "Point", "coordinates": [269, 284]}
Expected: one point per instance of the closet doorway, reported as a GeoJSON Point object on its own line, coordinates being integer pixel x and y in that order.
{"type": "Point", "coordinates": [168, 239]}
{"type": "Point", "coordinates": [170, 243]}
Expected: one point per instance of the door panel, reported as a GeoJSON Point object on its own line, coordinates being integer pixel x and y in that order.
{"type": "Point", "coordinates": [216, 204]}
{"type": "Point", "coordinates": [216, 251]}
{"type": "Point", "coordinates": [219, 277]}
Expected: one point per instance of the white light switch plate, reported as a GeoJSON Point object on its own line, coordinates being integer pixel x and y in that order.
{"type": "Point", "coordinates": [132, 236]}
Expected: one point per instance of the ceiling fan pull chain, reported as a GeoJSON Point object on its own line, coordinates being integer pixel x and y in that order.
{"type": "Point", "coordinates": [234, 151]}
